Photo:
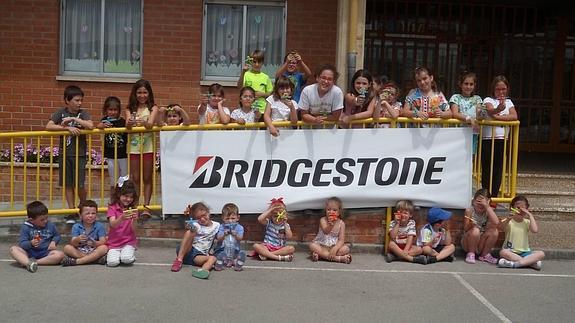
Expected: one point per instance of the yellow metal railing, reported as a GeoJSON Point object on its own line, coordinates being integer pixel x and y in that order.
{"type": "Point", "coordinates": [42, 176]}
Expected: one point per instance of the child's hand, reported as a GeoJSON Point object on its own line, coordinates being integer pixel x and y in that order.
{"type": "Point", "coordinates": [83, 238]}
{"type": "Point", "coordinates": [240, 121]}
{"type": "Point", "coordinates": [205, 99]}
{"type": "Point", "coordinates": [319, 119]}
{"type": "Point", "coordinates": [221, 104]}
{"type": "Point", "coordinates": [273, 131]}
{"type": "Point", "coordinates": [52, 246]}
{"type": "Point", "coordinates": [422, 115]}
{"type": "Point", "coordinates": [73, 130]}
{"type": "Point", "coordinates": [35, 242]}
{"type": "Point", "coordinates": [332, 253]}
{"type": "Point", "coordinates": [68, 120]}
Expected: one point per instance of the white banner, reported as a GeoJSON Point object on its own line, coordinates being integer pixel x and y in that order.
{"type": "Point", "coordinates": [364, 167]}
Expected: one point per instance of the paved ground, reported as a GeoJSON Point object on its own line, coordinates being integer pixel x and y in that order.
{"type": "Point", "coordinates": [368, 290]}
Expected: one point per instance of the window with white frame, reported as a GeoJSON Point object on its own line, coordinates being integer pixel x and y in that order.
{"type": "Point", "coordinates": [101, 38]}
{"type": "Point", "coordinates": [234, 29]}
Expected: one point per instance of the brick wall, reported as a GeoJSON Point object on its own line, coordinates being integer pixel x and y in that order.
{"type": "Point", "coordinates": [29, 56]}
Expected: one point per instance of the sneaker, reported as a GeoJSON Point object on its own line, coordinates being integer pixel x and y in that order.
{"type": "Point", "coordinates": [262, 258]}
{"type": "Point", "coordinates": [102, 260]}
{"type": "Point", "coordinates": [32, 266]}
{"type": "Point", "coordinates": [488, 258]}
{"type": "Point", "coordinates": [219, 265]}
{"type": "Point", "coordinates": [238, 265]}
{"type": "Point", "coordinates": [200, 273]}
{"type": "Point", "coordinates": [421, 259]}
{"type": "Point", "coordinates": [449, 258]}
{"type": "Point", "coordinates": [71, 218]}
{"type": "Point", "coordinates": [504, 263]}
{"type": "Point", "coordinates": [431, 259]}
{"type": "Point", "coordinates": [390, 257]}
{"type": "Point", "coordinates": [470, 258]}
{"type": "Point", "coordinates": [537, 266]}
{"type": "Point", "coordinates": [176, 265]}
{"type": "Point", "coordinates": [68, 261]}
{"type": "Point", "coordinates": [240, 261]}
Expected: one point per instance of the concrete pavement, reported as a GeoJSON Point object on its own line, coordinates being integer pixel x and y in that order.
{"type": "Point", "coordinates": [367, 290]}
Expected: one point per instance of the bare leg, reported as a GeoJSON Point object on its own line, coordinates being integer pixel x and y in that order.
{"type": "Point", "coordinates": [186, 245]}
{"type": "Point", "coordinates": [471, 240]}
{"type": "Point", "coordinates": [70, 197]}
{"type": "Point", "coordinates": [148, 170]}
{"type": "Point", "coordinates": [534, 257]}
{"type": "Point", "coordinates": [206, 262]}
{"type": "Point", "coordinates": [446, 252]}
{"type": "Point", "coordinates": [276, 255]}
{"type": "Point", "coordinates": [20, 255]}
{"type": "Point", "coordinates": [396, 250]}
{"type": "Point", "coordinates": [487, 241]}
{"type": "Point", "coordinates": [53, 258]}
{"type": "Point", "coordinates": [93, 256]}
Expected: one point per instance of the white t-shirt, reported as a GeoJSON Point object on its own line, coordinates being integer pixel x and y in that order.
{"type": "Point", "coordinates": [279, 110]}
{"type": "Point", "coordinates": [205, 236]}
{"type": "Point", "coordinates": [249, 116]}
{"type": "Point", "coordinates": [499, 131]}
{"type": "Point", "coordinates": [316, 105]}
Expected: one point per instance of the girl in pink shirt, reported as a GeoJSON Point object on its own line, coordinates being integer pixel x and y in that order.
{"type": "Point", "coordinates": [122, 216]}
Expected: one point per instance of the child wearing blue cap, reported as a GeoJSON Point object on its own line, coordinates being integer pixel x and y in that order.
{"type": "Point", "coordinates": [434, 239]}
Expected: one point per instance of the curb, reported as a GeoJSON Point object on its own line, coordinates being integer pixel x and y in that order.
{"type": "Point", "coordinates": [363, 248]}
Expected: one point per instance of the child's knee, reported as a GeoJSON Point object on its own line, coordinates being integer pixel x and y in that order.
{"type": "Point", "coordinates": [290, 249]}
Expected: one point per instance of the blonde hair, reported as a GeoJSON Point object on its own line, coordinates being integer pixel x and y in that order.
{"type": "Point", "coordinates": [339, 203]}
{"type": "Point", "coordinates": [230, 208]}
{"type": "Point", "coordinates": [405, 205]}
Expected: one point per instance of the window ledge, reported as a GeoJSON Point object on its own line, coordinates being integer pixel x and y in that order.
{"type": "Point", "coordinates": [106, 79]}
{"type": "Point", "coordinates": [221, 82]}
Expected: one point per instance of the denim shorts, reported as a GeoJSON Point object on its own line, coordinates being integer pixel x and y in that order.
{"type": "Point", "coordinates": [189, 257]}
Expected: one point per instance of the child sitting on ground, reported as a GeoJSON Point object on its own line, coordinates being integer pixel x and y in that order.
{"type": "Point", "coordinates": [197, 242]}
{"type": "Point", "coordinates": [88, 243]}
{"type": "Point", "coordinates": [329, 244]}
{"type": "Point", "coordinates": [277, 232]}
{"type": "Point", "coordinates": [434, 239]}
{"type": "Point", "coordinates": [516, 252]}
{"type": "Point", "coordinates": [38, 240]}
{"type": "Point", "coordinates": [402, 234]}
{"type": "Point", "coordinates": [480, 227]}
{"type": "Point", "coordinates": [123, 216]}
{"type": "Point", "coordinates": [229, 253]}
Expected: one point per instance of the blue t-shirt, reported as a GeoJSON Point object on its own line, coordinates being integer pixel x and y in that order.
{"type": "Point", "coordinates": [298, 80]}
{"type": "Point", "coordinates": [96, 232]}
{"type": "Point", "coordinates": [234, 227]}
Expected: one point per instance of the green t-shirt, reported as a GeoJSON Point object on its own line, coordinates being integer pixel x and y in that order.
{"type": "Point", "coordinates": [260, 82]}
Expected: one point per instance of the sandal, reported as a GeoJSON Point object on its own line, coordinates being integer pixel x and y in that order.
{"type": "Point", "coordinates": [288, 258]}
{"type": "Point", "coordinates": [314, 256]}
{"type": "Point", "coordinates": [343, 259]}
{"type": "Point", "coordinates": [488, 258]}
{"type": "Point", "coordinates": [470, 258]}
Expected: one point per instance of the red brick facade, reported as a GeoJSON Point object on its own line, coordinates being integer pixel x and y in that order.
{"type": "Point", "coordinates": [29, 56]}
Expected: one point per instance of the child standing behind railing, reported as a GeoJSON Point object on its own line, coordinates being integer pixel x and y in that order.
{"type": "Point", "coordinates": [114, 143]}
{"type": "Point", "coordinates": [72, 118]}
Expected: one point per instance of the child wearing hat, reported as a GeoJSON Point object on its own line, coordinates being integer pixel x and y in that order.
{"type": "Point", "coordinates": [434, 239]}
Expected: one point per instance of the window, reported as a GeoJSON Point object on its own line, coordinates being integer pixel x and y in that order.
{"type": "Point", "coordinates": [233, 29]}
{"type": "Point", "coordinates": [101, 38]}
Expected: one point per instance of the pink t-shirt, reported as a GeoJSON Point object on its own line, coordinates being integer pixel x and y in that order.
{"type": "Point", "coordinates": [122, 234]}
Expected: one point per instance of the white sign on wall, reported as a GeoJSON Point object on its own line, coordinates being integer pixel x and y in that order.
{"type": "Point", "coordinates": [364, 167]}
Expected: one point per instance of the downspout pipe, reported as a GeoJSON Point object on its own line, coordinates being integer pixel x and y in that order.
{"type": "Point", "coordinates": [352, 40]}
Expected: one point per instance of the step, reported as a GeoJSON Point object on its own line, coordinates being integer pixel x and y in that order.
{"type": "Point", "coordinates": [553, 212]}
{"type": "Point", "coordinates": [548, 197]}
{"type": "Point", "coordinates": [552, 182]}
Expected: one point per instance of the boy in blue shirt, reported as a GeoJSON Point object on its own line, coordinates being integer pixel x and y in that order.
{"type": "Point", "coordinates": [88, 243]}
{"type": "Point", "coordinates": [293, 62]}
{"type": "Point", "coordinates": [38, 240]}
